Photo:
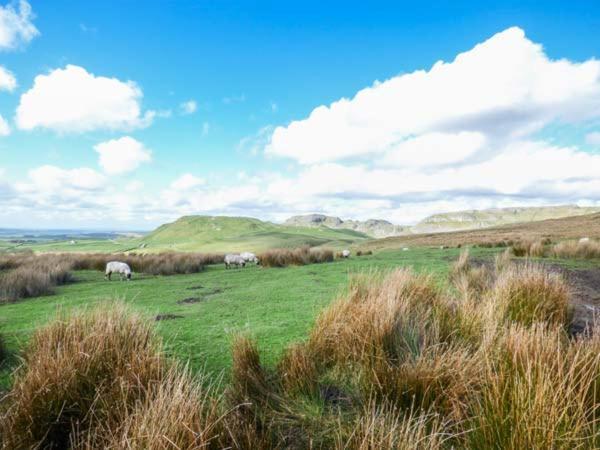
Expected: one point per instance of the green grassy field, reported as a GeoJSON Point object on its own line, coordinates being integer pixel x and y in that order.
{"type": "Point", "coordinates": [276, 306]}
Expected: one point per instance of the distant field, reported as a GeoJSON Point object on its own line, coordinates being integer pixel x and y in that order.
{"type": "Point", "coordinates": [277, 306]}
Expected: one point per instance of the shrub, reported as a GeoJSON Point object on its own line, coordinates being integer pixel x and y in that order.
{"type": "Point", "coordinates": [298, 257]}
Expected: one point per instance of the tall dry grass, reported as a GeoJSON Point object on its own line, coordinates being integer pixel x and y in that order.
{"type": "Point", "coordinates": [24, 275]}
{"type": "Point", "coordinates": [295, 257]}
{"type": "Point", "coordinates": [33, 278]}
{"type": "Point", "coordinates": [576, 249]}
{"type": "Point", "coordinates": [99, 380]}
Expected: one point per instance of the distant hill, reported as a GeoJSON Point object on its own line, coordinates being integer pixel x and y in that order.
{"type": "Point", "coordinates": [446, 222]}
{"type": "Point", "coordinates": [486, 218]}
{"type": "Point", "coordinates": [574, 227]}
{"type": "Point", "coordinates": [373, 227]}
{"type": "Point", "coordinates": [222, 234]}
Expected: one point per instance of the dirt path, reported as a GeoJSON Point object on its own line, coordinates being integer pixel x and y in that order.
{"type": "Point", "coordinates": [585, 286]}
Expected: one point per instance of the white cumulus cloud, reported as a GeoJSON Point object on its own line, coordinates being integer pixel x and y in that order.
{"type": "Point", "coordinates": [52, 179]}
{"type": "Point", "coordinates": [4, 127]}
{"type": "Point", "coordinates": [187, 181]}
{"type": "Point", "coordinates": [188, 107]}
{"type": "Point", "coordinates": [16, 27]}
{"type": "Point", "coordinates": [122, 155]}
{"type": "Point", "coordinates": [8, 82]}
{"type": "Point", "coordinates": [72, 100]}
{"type": "Point", "coordinates": [505, 88]}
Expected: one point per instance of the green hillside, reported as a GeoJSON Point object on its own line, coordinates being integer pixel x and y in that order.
{"type": "Point", "coordinates": [222, 234]}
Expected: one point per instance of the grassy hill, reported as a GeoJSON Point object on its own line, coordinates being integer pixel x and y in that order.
{"type": "Point", "coordinates": [222, 234]}
{"type": "Point", "coordinates": [556, 229]}
{"type": "Point", "coordinates": [486, 218]}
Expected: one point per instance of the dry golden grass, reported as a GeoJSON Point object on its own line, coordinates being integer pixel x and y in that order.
{"type": "Point", "coordinates": [528, 293]}
{"type": "Point", "coordinates": [33, 278]}
{"type": "Point", "coordinates": [576, 249]}
{"type": "Point", "coordinates": [295, 257]}
{"type": "Point", "coordinates": [382, 426]}
{"type": "Point", "coordinates": [98, 380]}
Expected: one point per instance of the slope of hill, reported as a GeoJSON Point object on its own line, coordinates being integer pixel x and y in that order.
{"type": "Point", "coordinates": [574, 227]}
{"type": "Point", "coordinates": [223, 234]}
{"type": "Point", "coordinates": [372, 227]}
{"type": "Point", "coordinates": [475, 219]}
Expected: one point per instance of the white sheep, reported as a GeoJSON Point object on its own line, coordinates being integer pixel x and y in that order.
{"type": "Point", "coordinates": [584, 240]}
{"type": "Point", "coordinates": [249, 257]}
{"type": "Point", "coordinates": [345, 253]}
{"type": "Point", "coordinates": [118, 267]}
{"type": "Point", "coordinates": [234, 260]}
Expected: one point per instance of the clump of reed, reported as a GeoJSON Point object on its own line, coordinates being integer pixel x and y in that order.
{"type": "Point", "coordinates": [295, 257]}
{"type": "Point", "coordinates": [98, 379]}
{"type": "Point", "coordinates": [33, 279]}
{"type": "Point", "coordinates": [582, 249]}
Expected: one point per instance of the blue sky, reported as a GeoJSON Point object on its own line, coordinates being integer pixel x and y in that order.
{"type": "Point", "coordinates": [251, 74]}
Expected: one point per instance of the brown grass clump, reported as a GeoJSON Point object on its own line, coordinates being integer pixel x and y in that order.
{"type": "Point", "coordinates": [295, 257]}
{"type": "Point", "coordinates": [530, 248]}
{"type": "Point", "coordinates": [576, 249]}
{"type": "Point", "coordinates": [528, 293]}
{"type": "Point", "coordinates": [364, 252]}
{"type": "Point", "coordinates": [536, 393]}
{"type": "Point", "coordinates": [32, 279]}
{"type": "Point", "coordinates": [471, 281]}
{"type": "Point", "coordinates": [385, 427]}
{"type": "Point", "coordinates": [98, 379]}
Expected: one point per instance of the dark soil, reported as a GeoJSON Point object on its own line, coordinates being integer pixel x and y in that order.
{"type": "Point", "coordinates": [191, 300]}
{"type": "Point", "coordinates": [193, 288]}
{"type": "Point", "coordinates": [168, 317]}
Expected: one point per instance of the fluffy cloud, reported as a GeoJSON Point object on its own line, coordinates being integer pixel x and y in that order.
{"type": "Point", "coordinates": [4, 127]}
{"type": "Point", "coordinates": [122, 155]}
{"type": "Point", "coordinates": [505, 87]}
{"type": "Point", "coordinates": [52, 179]}
{"type": "Point", "coordinates": [188, 107]}
{"type": "Point", "coordinates": [8, 82]}
{"type": "Point", "coordinates": [74, 100]}
{"type": "Point", "coordinates": [187, 181]}
{"type": "Point", "coordinates": [16, 27]}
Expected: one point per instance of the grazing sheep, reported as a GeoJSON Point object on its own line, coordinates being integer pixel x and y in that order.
{"type": "Point", "coordinates": [118, 267]}
{"type": "Point", "coordinates": [234, 260]}
{"type": "Point", "coordinates": [249, 257]}
{"type": "Point", "coordinates": [405, 249]}
{"type": "Point", "coordinates": [584, 240]}
{"type": "Point", "coordinates": [345, 253]}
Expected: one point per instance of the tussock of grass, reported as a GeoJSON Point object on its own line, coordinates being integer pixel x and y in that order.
{"type": "Point", "coordinates": [295, 257]}
{"type": "Point", "coordinates": [33, 279]}
{"type": "Point", "coordinates": [528, 293]}
{"type": "Point", "coordinates": [581, 249]}
{"type": "Point", "coordinates": [99, 379]}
